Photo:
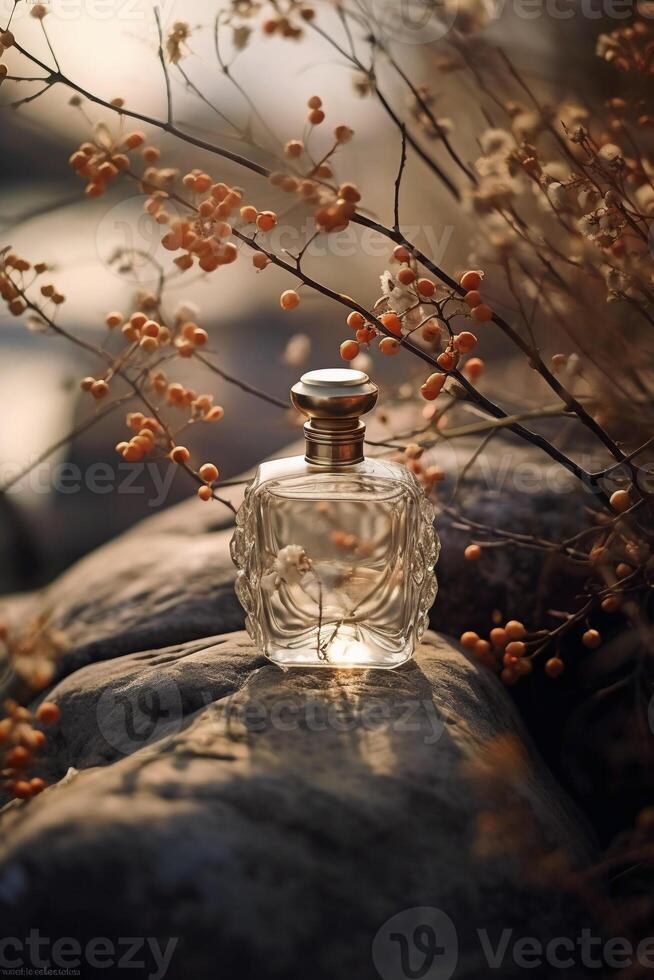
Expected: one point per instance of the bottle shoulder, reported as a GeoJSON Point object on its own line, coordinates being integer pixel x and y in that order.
{"type": "Point", "coordinates": [295, 469]}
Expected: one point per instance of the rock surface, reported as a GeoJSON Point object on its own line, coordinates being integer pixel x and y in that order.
{"type": "Point", "coordinates": [273, 822]}
{"type": "Point", "coordinates": [170, 578]}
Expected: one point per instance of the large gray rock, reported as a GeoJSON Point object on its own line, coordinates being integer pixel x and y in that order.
{"type": "Point", "coordinates": [274, 822]}
{"type": "Point", "coordinates": [170, 578]}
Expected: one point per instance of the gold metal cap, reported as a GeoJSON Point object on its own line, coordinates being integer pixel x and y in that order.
{"type": "Point", "coordinates": [333, 399]}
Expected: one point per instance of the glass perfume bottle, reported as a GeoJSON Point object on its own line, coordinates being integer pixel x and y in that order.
{"type": "Point", "coordinates": [335, 552]}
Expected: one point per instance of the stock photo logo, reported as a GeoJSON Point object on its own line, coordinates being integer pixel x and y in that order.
{"type": "Point", "coordinates": [130, 718]}
{"type": "Point", "coordinates": [416, 944]}
{"type": "Point", "coordinates": [129, 11]}
{"type": "Point", "coordinates": [415, 21]}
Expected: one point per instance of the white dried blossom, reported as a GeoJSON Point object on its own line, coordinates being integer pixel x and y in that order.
{"type": "Point", "coordinates": [470, 16]}
{"type": "Point", "coordinates": [291, 567]}
{"type": "Point", "coordinates": [612, 156]}
{"type": "Point", "coordinates": [571, 114]}
{"type": "Point", "coordinates": [179, 34]}
{"type": "Point", "coordinates": [493, 194]}
{"type": "Point", "coordinates": [496, 142]}
{"type": "Point", "coordinates": [527, 125]}
{"type": "Point", "coordinates": [645, 198]}
{"type": "Point", "coordinates": [588, 225]}
{"type": "Point", "coordinates": [401, 299]}
{"type": "Point", "coordinates": [557, 170]}
{"type": "Point", "coordinates": [557, 195]}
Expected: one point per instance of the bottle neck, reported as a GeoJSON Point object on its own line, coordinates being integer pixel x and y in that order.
{"type": "Point", "coordinates": [334, 442]}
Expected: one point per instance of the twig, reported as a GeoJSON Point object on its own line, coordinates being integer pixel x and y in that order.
{"type": "Point", "coordinates": [164, 68]}
{"type": "Point", "coordinates": [398, 181]}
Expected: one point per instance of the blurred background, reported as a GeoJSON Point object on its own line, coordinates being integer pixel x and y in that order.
{"type": "Point", "coordinates": [57, 513]}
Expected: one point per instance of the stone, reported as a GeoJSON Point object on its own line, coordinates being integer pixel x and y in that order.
{"type": "Point", "coordinates": [170, 579]}
{"type": "Point", "coordinates": [280, 824]}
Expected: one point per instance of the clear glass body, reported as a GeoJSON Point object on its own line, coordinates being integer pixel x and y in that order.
{"type": "Point", "coordinates": [335, 565]}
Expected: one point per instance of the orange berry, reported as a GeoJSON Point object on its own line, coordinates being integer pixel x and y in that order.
{"type": "Point", "coordinates": [249, 214]}
{"type": "Point", "coordinates": [18, 757]}
{"type": "Point", "coordinates": [554, 667]}
{"type": "Point", "coordinates": [260, 261]}
{"type": "Point", "coordinates": [114, 320]}
{"type": "Point", "coordinates": [208, 472]}
{"type": "Point", "coordinates": [134, 140]}
{"type": "Point", "coordinates": [151, 154]}
{"type": "Point", "coordinates": [470, 280]}
{"type": "Point", "coordinates": [21, 789]}
{"type": "Point", "coordinates": [289, 299]}
{"type": "Point", "coordinates": [406, 276]}
{"type": "Point", "coordinates": [229, 253]}
{"type": "Point", "coordinates": [205, 493]}
{"type": "Point", "coordinates": [474, 368]}
{"type": "Point", "coordinates": [516, 648]}
{"type": "Point", "coordinates": [392, 323]}
{"type": "Point", "coordinates": [591, 639]}
{"type": "Point", "coordinates": [7, 39]}
{"type": "Point", "coordinates": [343, 134]}
{"type": "Point", "coordinates": [401, 254]}
{"type": "Point", "coordinates": [434, 474]}
{"type": "Point", "coordinates": [482, 313]}
{"type": "Point", "coordinates": [266, 220]}
{"type": "Point", "coordinates": [611, 603]}
{"type": "Point", "coordinates": [482, 648]}
{"type": "Point", "coordinates": [473, 298]}
{"type": "Point", "coordinates": [620, 501]}
{"type": "Point", "coordinates": [366, 334]}
{"type": "Point", "coordinates": [48, 713]}
{"type": "Point", "coordinates": [389, 346]}
{"type": "Point", "coordinates": [200, 337]}
{"type": "Point", "coordinates": [498, 637]}
{"type": "Point", "coordinates": [180, 454]}
{"type": "Point", "coordinates": [509, 676]}
{"type": "Point", "coordinates": [215, 414]}
{"type": "Point", "coordinates": [446, 360]}
{"type": "Point", "coordinates": [294, 148]}
{"type": "Point", "coordinates": [150, 328]}
{"type": "Point", "coordinates": [469, 639]}
{"type": "Point", "coordinates": [515, 630]}
{"type": "Point", "coordinates": [315, 102]}
{"type": "Point", "coordinates": [120, 161]}
{"type": "Point", "coordinates": [349, 349]}
{"type": "Point", "coordinates": [350, 193]}
{"type": "Point", "coordinates": [433, 386]}
{"type": "Point", "coordinates": [202, 183]}
{"type": "Point", "coordinates": [355, 320]}
{"type": "Point", "coordinates": [37, 786]}
{"type": "Point", "coordinates": [472, 552]}
{"type": "Point", "coordinates": [188, 329]}
{"type": "Point", "coordinates": [316, 116]}
{"type": "Point", "coordinates": [426, 287]}
{"type": "Point", "coordinates": [465, 341]}
{"type": "Point", "coordinates": [99, 389]}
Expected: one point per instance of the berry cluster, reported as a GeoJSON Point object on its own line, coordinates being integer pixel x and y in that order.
{"type": "Point", "coordinates": [20, 741]}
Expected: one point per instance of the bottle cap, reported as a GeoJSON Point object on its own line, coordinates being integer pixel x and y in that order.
{"type": "Point", "coordinates": [334, 393]}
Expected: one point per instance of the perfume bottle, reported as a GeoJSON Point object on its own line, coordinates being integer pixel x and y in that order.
{"type": "Point", "coordinates": [335, 552]}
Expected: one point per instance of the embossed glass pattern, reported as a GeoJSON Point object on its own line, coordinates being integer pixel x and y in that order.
{"type": "Point", "coordinates": [335, 566]}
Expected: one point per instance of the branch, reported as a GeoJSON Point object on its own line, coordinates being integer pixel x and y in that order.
{"type": "Point", "coordinates": [164, 68]}
{"type": "Point", "coordinates": [398, 181]}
